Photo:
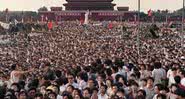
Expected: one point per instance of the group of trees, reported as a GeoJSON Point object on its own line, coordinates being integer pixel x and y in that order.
{"type": "Point", "coordinates": [19, 15]}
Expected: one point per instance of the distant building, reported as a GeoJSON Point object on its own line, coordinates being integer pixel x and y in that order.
{"type": "Point", "coordinates": [99, 10]}
{"type": "Point", "coordinates": [56, 8]}
{"type": "Point", "coordinates": [89, 5]}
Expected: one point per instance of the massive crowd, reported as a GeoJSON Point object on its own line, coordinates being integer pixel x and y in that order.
{"type": "Point", "coordinates": [92, 62]}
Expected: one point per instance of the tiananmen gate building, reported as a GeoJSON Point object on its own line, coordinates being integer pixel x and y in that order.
{"type": "Point", "coordinates": [99, 10]}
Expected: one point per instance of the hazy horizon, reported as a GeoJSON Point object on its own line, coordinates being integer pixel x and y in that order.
{"type": "Point", "coordinates": [34, 5]}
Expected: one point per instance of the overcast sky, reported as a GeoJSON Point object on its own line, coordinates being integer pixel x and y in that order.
{"type": "Point", "coordinates": [35, 4]}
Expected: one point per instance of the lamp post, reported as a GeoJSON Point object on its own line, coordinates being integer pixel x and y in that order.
{"type": "Point", "coordinates": [182, 33]}
{"type": "Point", "coordinates": [138, 32]}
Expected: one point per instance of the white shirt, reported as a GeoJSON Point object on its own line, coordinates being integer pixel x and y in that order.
{"type": "Point", "coordinates": [171, 80]}
{"type": "Point", "coordinates": [59, 97]}
{"type": "Point", "coordinates": [62, 88]}
{"type": "Point", "coordinates": [157, 74]}
{"type": "Point", "coordinates": [155, 96]}
{"type": "Point", "coordinates": [183, 81]}
{"type": "Point", "coordinates": [82, 84]}
{"type": "Point", "coordinates": [105, 96]}
{"type": "Point", "coordinates": [75, 85]}
{"type": "Point", "coordinates": [169, 73]}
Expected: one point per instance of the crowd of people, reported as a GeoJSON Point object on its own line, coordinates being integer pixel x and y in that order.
{"type": "Point", "coordinates": [92, 62]}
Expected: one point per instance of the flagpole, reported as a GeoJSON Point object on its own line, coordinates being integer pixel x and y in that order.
{"type": "Point", "coordinates": [182, 33]}
{"type": "Point", "coordinates": [138, 41]}
{"type": "Point", "coordinates": [166, 19]}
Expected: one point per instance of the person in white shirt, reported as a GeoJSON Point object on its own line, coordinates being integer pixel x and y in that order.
{"type": "Point", "coordinates": [71, 81]}
{"type": "Point", "coordinates": [157, 73]}
{"type": "Point", "coordinates": [80, 80]}
{"type": "Point", "coordinates": [143, 71]}
{"type": "Point", "coordinates": [102, 93]}
{"type": "Point", "coordinates": [171, 77]}
{"type": "Point", "coordinates": [157, 90]}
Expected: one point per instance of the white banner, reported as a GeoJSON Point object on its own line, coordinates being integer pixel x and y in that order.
{"type": "Point", "coordinates": [5, 25]}
{"type": "Point", "coordinates": [86, 18]}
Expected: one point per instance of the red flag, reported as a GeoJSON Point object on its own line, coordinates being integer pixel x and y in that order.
{"type": "Point", "coordinates": [149, 12]}
{"type": "Point", "coordinates": [50, 25]}
{"type": "Point", "coordinates": [110, 25]}
{"type": "Point", "coordinates": [81, 21]}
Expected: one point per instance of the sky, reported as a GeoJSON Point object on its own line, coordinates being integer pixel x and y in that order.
{"type": "Point", "coordinates": [33, 5]}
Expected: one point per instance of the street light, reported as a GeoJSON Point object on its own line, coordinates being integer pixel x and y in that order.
{"type": "Point", "coordinates": [138, 41]}
{"type": "Point", "coordinates": [182, 32]}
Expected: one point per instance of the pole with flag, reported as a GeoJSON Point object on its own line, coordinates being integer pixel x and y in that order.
{"type": "Point", "coordinates": [150, 15]}
{"type": "Point", "coordinates": [138, 41]}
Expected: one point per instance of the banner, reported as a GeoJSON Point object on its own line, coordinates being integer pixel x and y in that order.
{"type": "Point", "coordinates": [86, 18]}
{"type": "Point", "coordinates": [5, 25]}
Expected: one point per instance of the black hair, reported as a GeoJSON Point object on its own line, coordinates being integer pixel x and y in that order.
{"type": "Point", "coordinates": [88, 89]}
{"type": "Point", "coordinates": [21, 84]}
{"type": "Point", "coordinates": [33, 88]}
{"type": "Point", "coordinates": [58, 73]}
{"type": "Point", "coordinates": [121, 90]}
{"type": "Point", "coordinates": [105, 86]}
{"type": "Point", "coordinates": [13, 67]}
{"type": "Point", "coordinates": [144, 79]}
{"type": "Point", "coordinates": [83, 76]}
{"type": "Point", "coordinates": [174, 85]}
{"type": "Point", "coordinates": [119, 76]}
{"type": "Point", "coordinates": [22, 93]}
{"type": "Point", "coordinates": [118, 62]}
{"type": "Point", "coordinates": [136, 84]}
{"type": "Point", "coordinates": [183, 72]}
{"type": "Point", "coordinates": [98, 61]}
{"type": "Point", "coordinates": [177, 79]}
{"type": "Point", "coordinates": [161, 96]}
{"type": "Point", "coordinates": [157, 65]}
{"type": "Point", "coordinates": [38, 95]}
{"type": "Point", "coordinates": [151, 78]}
{"type": "Point", "coordinates": [59, 81]}
{"type": "Point", "coordinates": [143, 92]}
{"type": "Point", "coordinates": [16, 84]}
{"type": "Point", "coordinates": [119, 85]}
{"type": "Point", "coordinates": [71, 86]}
{"type": "Point", "coordinates": [34, 83]}
{"type": "Point", "coordinates": [53, 93]}
{"type": "Point", "coordinates": [159, 86]}
{"type": "Point", "coordinates": [94, 89]}
{"type": "Point", "coordinates": [108, 71]}
{"type": "Point", "coordinates": [115, 68]}
{"type": "Point", "coordinates": [174, 69]}
{"type": "Point", "coordinates": [108, 62]}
